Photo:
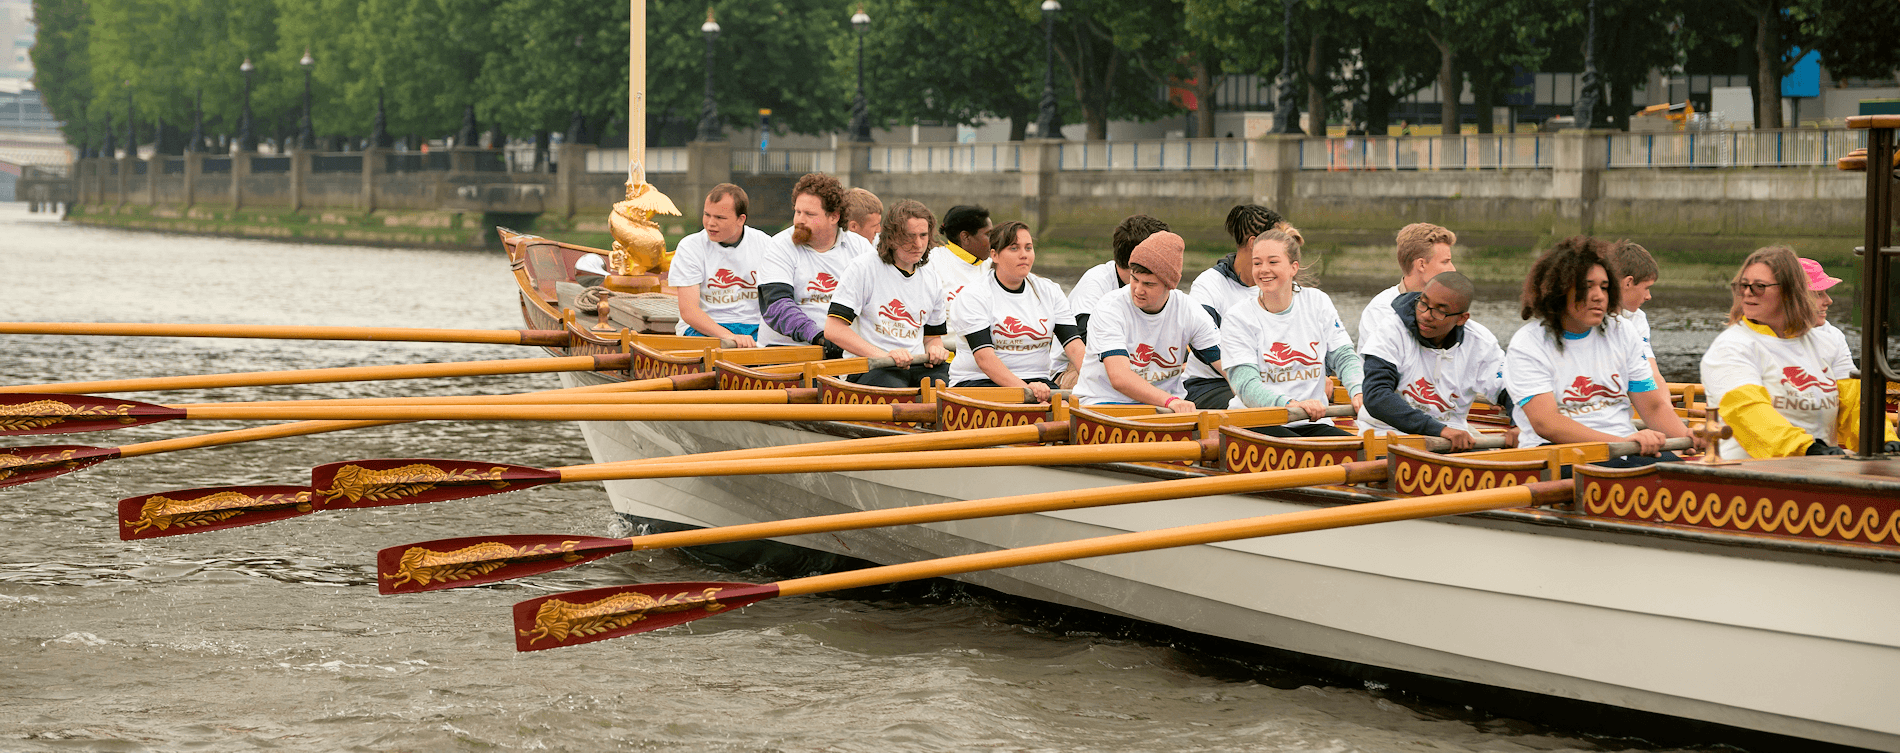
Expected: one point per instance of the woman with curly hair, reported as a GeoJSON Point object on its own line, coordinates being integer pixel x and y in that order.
{"type": "Point", "coordinates": [1774, 374]}
{"type": "Point", "coordinates": [1575, 379]}
{"type": "Point", "coordinates": [890, 304]}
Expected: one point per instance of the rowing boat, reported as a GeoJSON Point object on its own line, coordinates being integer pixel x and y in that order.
{"type": "Point", "coordinates": [1754, 602]}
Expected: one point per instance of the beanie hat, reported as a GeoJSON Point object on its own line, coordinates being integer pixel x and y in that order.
{"type": "Point", "coordinates": [1161, 253]}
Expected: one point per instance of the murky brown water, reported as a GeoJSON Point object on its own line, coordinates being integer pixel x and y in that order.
{"type": "Point", "coordinates": [272, 637]}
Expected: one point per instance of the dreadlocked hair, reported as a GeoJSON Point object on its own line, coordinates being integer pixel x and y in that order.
{"type": "Point", "coordinates": [1245, 221]}
{"type": "Point", "coordinates": [1559, 277]}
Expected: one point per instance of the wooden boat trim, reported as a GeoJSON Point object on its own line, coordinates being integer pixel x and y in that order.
{"type": "Point", "coordinates": [959, 409]}
{"type": "Point", "coordinates": [732, 376]}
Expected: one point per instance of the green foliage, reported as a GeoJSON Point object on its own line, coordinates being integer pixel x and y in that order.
{"type": "Point", "coordinates": [62, 68]}
{"type": "Point", "coordinates": [954, 63]}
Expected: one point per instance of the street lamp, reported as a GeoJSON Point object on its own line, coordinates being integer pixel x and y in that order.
{"type": "Point", "coordinates": [306, 133]}
{"type": "Point", "coordinates": [860, 112]}
{"type": "Point", "coordinates": [709, 129]}
{"type": "Point", "coordinates": [247, 140]}
{"type": "Point", "coordinates": [1286, 116]}
{"type": "Point", "coordinates": [1049, 121]}
{"type": "Point", "coordinates": [1584, 112]}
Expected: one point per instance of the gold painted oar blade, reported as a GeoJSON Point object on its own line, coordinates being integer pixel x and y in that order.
{"type": "Point", "coordinates": [24, 413]}
{"type": "Point", "coordinates": [475, 560]}
{"type": "Point", "coordinates": [597, 614]}
{"type": "Point", "coordinates": [177, 513]}
{"type": "Point", "coordinates": [385, 482]}
{"type": "Point", "coordinates": [24, 465]}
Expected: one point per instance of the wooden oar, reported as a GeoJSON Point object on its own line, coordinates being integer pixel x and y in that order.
{"type": "Point", "coordinates": [21, 465]}
{"type": "Point", "coordinates": [576, 617]}
{"type": "Point", "coordinates": [792, 396]}
{"type": "Point", "coordinates": [452, 563]}
{"type": "Point", "coordinates": [608, 362]}
{"type": "Point", "coordinates": [540, 337]}
{"type": "Point", "coordinates": [216, 508]}
{"type": "Point", "coordinates": [100, 414]}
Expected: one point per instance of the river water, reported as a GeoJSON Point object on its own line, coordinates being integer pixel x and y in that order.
{"type": "Point", "coordinates": [273, 637]}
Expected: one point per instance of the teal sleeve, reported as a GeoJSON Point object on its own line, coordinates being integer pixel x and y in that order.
{"type": "Point", "coordinates": [1344, 362]}
{"type": "Point", "coordinates": [1251, 389]}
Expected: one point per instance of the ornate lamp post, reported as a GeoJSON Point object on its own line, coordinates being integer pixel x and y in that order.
{"type": "Point", "coordinates": [860, 111]}
{"type": "Point", "coordinates": [709, 129]}
{"type": "Point", "coordinates": [247, 139]}
{"type": "Point", "coordinates": [1049, 120]}
{"type": "Point", "coordinates": [306, 132]}
{"type": "Point", "coordinates": [1286, 115]}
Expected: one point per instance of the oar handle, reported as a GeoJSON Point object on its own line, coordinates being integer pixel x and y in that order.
{"type": "Point", "coordinates": [1619, 449]}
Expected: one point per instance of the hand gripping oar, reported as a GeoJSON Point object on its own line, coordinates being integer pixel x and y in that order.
{"type": "Point", "coordinates": [99, 414]}
{"type": "Point", "coordinates": [20, 465]}
{"type": "Point", "coordinates": [607, 362]}
{"type": "Point", "coordinates": [468, 561]}
{"type": "Point", "coordinates": [387, 482]}
{"type": "Point", "coordinates": [576, 617]}
{"type": "Point", "coordinates": [540, 337]}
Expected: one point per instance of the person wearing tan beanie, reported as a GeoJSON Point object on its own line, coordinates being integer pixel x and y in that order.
{"type": "Point", "coordinates": [1141, 337]}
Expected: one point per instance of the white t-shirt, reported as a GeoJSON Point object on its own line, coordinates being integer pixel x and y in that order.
{"type": "Point", "coordinates": [1157, 345]}
{"type": "Point", "coordinates": [1638, 322]}
{"type": "Point", "coordinates": [1095, 284]}
{"type": "Point", "coordinates": [893, 308]}
{"type": "Point", "coordinates": [957, 271]}
{"type": "Point", "coordinates": [728, 278]}
{"type": "Point", "coordinates": [813, 276]}
{"type": "Point", "coordinates": [1022, 326]}
{"type": "Point", "coordinates": [1442, 382]}
{"type": "Point", "coordinates": [1591, 378]}
{"type": "Point", "coordinates": [1289, 348]}
{"type": "Point", "coordinates": [1379, 324]}
{"type": "Point", "coordinates": [1211, 288]}
{"type": "Point", "coordinates": [1844, 367]}
{"type": "Point", "coordinates": [1798, 373]}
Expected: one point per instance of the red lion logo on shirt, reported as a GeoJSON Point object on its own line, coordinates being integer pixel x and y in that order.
{"type": "Point", "coordinates": [1013, 327]}
{"type": "Point", "coordinates": [823, 283]}
{"type": "Point", "coordinates": [1423, 393]}
{"type": "Point", "coordinates": [896, 312]}
{"type": "Point", "coordinates": [1583, 390]}
{"type": "Point", "coordinates": [1800, 379]}
{"type": "Point", "coordinates": [1281, 356]}
{"type": "Point", "coordinates": [724, 278]}
{"type": "Point", "coordinates": [1146, 355]}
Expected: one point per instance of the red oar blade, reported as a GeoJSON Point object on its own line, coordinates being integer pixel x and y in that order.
{"type": "Point", "coordinates": [198, 510]}
{"type": "Point", "coordinates": [474, 560]}
{"type": "Point", "coordinates": [386, 482]}
{"type": "Point", "coordinates": [597, 614]}
{"type": "Point", "coordinates": [23, 465]}
{"type": "Point", "coordinates": [33, 413]}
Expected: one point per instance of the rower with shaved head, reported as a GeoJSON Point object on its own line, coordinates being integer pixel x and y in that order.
{"type": "Point", "coordinates": [1426, 382]}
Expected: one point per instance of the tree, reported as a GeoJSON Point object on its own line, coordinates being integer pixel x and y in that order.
{"type": "Point", "coordinates": [1117, 54]}
{"type": "Point", "coordinates": [954, 63]}
{"type": "Point", "coordinates": [62, 66]}
{"type": "Point", "coordinates": [1856, 37]}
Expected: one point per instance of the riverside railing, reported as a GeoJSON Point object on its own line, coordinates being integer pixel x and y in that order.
{"type": "Point", "coordinates": [1164, 154]}
{"type": "Point", "coordinates": [796, 161]}
{"type": "Point", "coordinates": [1481, 151]}
{"type": "Point", "coordinates": [659, 160]}
{"type": "Point", "coordinates": [1790, 147]}
{"type": "Point", "coordinates": [1004, 157]}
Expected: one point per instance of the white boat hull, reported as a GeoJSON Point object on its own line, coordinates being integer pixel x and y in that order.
{"type": "Point", "coordinates": [1789, 645]}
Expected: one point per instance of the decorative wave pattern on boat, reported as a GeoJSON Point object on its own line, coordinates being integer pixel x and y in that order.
{"type": "Point", "coordinates": [1711, 506]}
{"type": "Point", "coordinates": [1242, 456]}
{"type": "Point", "coordinates": [737, 378]}
{"type": "Point", "coordinates": [648, 364]}
{"type": "Point", "coordinates": [1089, 429]}
{"type": "Point", "coordinates": [956, 416]}
{"type": "Point", "coordinates": [423, 566]}
{"type": "Point", "coordinates": [1411, 476]}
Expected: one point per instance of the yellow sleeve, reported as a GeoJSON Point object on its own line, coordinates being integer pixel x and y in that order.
{"type": "Point", "coordinates": [1847, 421]}
{"type": "Point", "coordinates": [1759, 428]}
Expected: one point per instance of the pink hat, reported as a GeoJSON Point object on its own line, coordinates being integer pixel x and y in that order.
{"type": "Point", "coordinates": [1818, 279]}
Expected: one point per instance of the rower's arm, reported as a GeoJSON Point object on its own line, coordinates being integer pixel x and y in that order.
{"type": "Point", "coordinates": [697, 318]}
{"type": "Point", "coordinates": [1123, 378]}
{"type": "Point", "coordinates": [1557, 428]}
{"type": "Point", "coordinates": [1658, 413]}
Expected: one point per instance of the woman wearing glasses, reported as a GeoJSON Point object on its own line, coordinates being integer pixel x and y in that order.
{"type": "Point", "coordinates": [1574, 379]}
{"type": "Point", "coordinates": [1776, 377]}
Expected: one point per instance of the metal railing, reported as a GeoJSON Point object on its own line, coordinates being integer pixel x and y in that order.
{"type": "Point", "coordinates": [1462, 152]}
{"type": "Point", "coordinates": [1770, 148]}
{"type": "Point", "coordinates": [659, 160]}
{"type": "Point", "coordinates": [796, 161]}
{"type": "Point", "coordinates": [1168, 154]}
{"type": "Point", "coordinates": [1006, 157]}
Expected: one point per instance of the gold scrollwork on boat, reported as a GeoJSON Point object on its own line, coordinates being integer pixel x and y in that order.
{"type": "Point", "coordinates": [560, 620]}
{"type": "Point", "coordinates": [163, 512]}
{"type": "Point", "coordinates": [1413, 477]}
{"type": "Point", "coordinates": [40, 414]}
{"type": "Point", "coordinates": [422, 566]}
{"type": "Point", "coordinates": [357, 484]}
{"type": "Point", "coordinates": [959, 417]}
{"type": "Point", "coordinates": [1812, 519]}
